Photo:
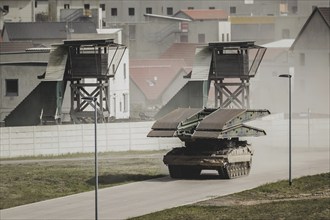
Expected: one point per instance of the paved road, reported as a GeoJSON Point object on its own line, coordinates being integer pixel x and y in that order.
{"type": "Point", "coordinates": [140, 198]}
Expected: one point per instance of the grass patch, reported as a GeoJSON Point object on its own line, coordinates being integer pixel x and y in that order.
{"type": "Point", "coordinates": [23, 183]}
{"type": "Point", "coordinates": [307, 198]}
{"type": "Point", "coordinates": [315, 209]}
{"type": "Point", "coordinates": [301, 187]}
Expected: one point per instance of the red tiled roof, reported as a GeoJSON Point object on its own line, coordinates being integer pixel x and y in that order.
{"type": "Point", "coordinates": [155, 75]}
{"type": "Point", "coordinates": [325, 12]}
{"type": "Point", "coordinates": [206, 14]}
{"type": "Point", "coordinates": [273, 53]}
{"type": "Point", "coordinates": [15, 46]}
{"type": "Point", "coordinates": [184, 51]}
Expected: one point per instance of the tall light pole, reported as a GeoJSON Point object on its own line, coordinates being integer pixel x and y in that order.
{"type": "Point", "coordinates": [93, 100]}
{"type": "Point", "coordinates": [289, 77]}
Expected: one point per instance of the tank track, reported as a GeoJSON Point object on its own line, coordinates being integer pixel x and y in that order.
{"type": "Point", "coordinates": [234, 170]}
{"type": "Point", "coordinates": [229, 171]}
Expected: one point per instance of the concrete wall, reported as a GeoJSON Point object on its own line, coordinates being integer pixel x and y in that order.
{"type": "Point", "coordinates": [63, 139]}
{"type": "Point", "coordinates": [291, 23]}
{"type": "Point", "coordinates": [208, 28]}
{"type": "Point", "coordinates": [313, 133]}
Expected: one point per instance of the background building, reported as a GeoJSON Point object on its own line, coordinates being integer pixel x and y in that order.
{"type": "Point", "coordinates": [22, 63]}
{"type": "Point", "coordinates": [260, 20]}
{"type": "Point", "coordinates": [151, 29]}
{"type": "Point", "coordinates": [311, 62]}
{"type": "Point", "coordinates": [19, 71]}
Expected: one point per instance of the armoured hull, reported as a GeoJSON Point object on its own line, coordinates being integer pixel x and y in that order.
{"type": "Point", "coordinates": [230, 162]}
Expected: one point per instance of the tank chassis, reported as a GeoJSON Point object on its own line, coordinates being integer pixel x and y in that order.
{"type": "Point", "coordinates": [212, 140]}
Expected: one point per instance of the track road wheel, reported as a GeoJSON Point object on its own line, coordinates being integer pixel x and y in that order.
{"type": "Point", "coordinates": [235, 170]}
{"type": "Point", "coordinates": [231, 171]}
{"type": "Point", "coordinates": [223, 173]}
{"type": "Point", "coordinates": [247, 167]}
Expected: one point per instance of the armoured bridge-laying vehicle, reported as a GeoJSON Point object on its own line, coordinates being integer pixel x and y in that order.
{"type": "Point", "coordinates": [211, 137]}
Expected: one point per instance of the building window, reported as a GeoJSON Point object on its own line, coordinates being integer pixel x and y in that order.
{"type": "Point", "coordinates": [283, 8]}
{"type": "Point", "coordinates": [132, 32]}
{"type": "Point", "coordinates": [6, 8]}
{"type": "Point", "coordinates": [285, 33]}
{"type": "Point", "coordinates": [114, 105]}
{"type": "Point", "coordinates": [131, 11]}
{"type": "Point", "coordinates": [114, 12]}
{"type": "Point", "coordinates": [232, 10]}
{"type": "Point", "coordinates": [294, 9]}
{"type": "Point", "coordinates": [201, 38]}
{"type": "Point", "coordinates": [228, 37]}
{"type": "Point", "coordinates": [66, 6]}
{"type": "Point", "coordinates": [302, 59]}
{"type": "Point", "coordinates": [184, 27]}
{"type": "Point", "coordinates": [113, 69]}
{"type": "Point", "coordinates": [190, 8]}
{"type": "Point", "coordinates": [149, 10]}
{"type": "Point", "coordinates": [125, 96]}
{"type": "Point", "coordinates": [124, 70]}
{"type": "Point", "coordinates": [211, 8]}
{"type": "Point", "coordinates": [36, 4]}
{"type": "Point", "coordinates": [86, 6]}
{"type": "Point", "coordinates": [184, 38]}
{"type": "Point", "coordinates": [102, 6]}
{"type": "Point", "coordinates": [222, 37]}
{"type": "Point", "coordinates": [169, 11]}
{"type": "Point", "coordinates": [11, 87]}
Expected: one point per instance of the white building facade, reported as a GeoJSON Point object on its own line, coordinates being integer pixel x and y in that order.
{"type": "Point", "coordinates": [119, 89]}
